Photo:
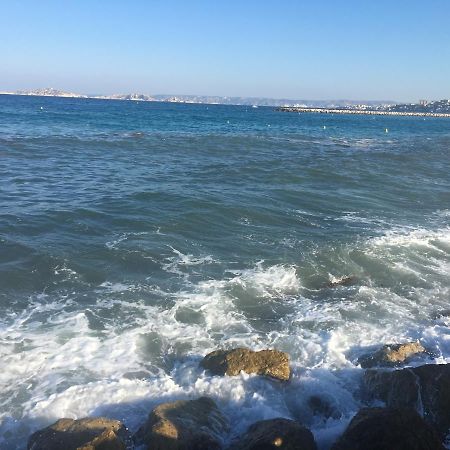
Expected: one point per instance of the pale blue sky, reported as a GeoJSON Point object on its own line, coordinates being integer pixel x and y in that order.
{"type": "Point", "coordinates": [321, 49]}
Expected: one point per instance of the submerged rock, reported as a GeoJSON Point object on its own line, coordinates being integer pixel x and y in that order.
{"type": "Point", "coordinates": [321, 406]}
{"type": "Point", "coordinates": [98, 433]}
{"type": "Point", "coordinates": [425, 388]}
{"type": "Point", "coordinates": [272, 363]}
{"type": "Point", "coordinates": [343, 281]}
{"type": "Point", "coordinates": [391, 355]}
{"type": "Point", "coordinates": [184, 425]}
{"type": "Point", "coordinates": [275, 433]}
{"type": "Point", "coordinates": [388, 429]}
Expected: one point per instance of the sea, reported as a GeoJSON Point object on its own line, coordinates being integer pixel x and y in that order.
{"type": "Point", "coordinates": [136, 237]}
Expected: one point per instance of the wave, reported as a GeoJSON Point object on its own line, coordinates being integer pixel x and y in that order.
{"type": "Point", "coordinates": [274, 280]}
{"type": "Point", "coordinates": [120, 355]}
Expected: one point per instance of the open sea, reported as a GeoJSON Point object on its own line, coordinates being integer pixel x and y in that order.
{"type": "Point", "coordinates": [137, 237]}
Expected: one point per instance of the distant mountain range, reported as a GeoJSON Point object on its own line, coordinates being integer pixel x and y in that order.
{"type": "Point", "coordinates": [207, 99]}
{"type": "Point", "coordinates": [440, 106]}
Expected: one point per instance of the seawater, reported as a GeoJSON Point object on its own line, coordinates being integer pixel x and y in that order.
{"type": "Point", "coordinates": [137, 237]}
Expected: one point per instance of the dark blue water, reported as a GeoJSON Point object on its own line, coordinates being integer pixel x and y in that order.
{"type": "Point", "coordinates": [136, 237]}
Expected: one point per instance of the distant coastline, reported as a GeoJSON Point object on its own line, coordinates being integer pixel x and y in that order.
{"type": "Point", "coordinates": [440, 108]}
{"type": "Point", "coordinates": [203, 99]}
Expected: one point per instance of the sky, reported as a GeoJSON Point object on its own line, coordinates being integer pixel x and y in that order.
{"type": "Point", "coordinates": [321, 49]}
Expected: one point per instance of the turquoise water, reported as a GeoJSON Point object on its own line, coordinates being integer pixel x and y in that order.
{"type": "Point", "coordinates": [136, 237]}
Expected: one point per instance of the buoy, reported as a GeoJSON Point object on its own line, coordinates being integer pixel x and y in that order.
{"type": "Point", "coordinates": [386, 130]}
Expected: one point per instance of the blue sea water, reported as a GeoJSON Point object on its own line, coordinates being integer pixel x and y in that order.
{"type": "Point", "coordinates": [137, 237]}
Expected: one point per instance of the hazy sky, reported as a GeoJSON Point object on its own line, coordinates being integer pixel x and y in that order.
{"type": "Point", "coordinates": [319, 49]}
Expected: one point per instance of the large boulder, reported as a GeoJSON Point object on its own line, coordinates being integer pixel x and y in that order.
{"type": "Point", "coordinates": [97, 433]}
{"type": "Point", "coordinates": [425, 388]}
{"type": "Point", "coordinates": [388, 429]}
{"type": "Point", "coordinates": [391, 355]}
{"type": "Point", "coordinates": [272, 363]}
{"type": "Point", "coordinates": [275, 433]}
{"type": "Point", "coordinates": [184, 425]}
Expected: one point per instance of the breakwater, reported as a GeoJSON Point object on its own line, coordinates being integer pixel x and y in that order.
{"type": "Point", "coordinates": [359, 111]}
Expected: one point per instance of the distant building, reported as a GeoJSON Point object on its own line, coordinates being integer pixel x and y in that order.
{"type": "Point", "coordinates": [423, 102]}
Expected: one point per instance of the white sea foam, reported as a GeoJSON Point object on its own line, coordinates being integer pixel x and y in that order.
{"type": "Point", "coordinates": [356, 217]}
{"type": "Point", "coordinates": [56, 364]}
{"type": "Point", "coordinates": [278, 279]}
{"type": "Point", "coordinates": [62, 269]}
{"type": "Point", "coordinates": [116, 287]}
{"type": "Point", "coordinates": [115, 243]}
{"type": "Point", "coordinates": [175, 264]}
{"type": "Point", "coordinates": [412, 237]}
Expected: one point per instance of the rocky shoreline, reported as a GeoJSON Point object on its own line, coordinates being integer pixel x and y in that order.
{"type": "Point", "coordinates": [415, 413]}
{"type": "Point", "coordinates": [369, 112]}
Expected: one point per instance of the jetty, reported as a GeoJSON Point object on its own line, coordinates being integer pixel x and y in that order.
{"type": "Point", "coordinates": [370, 112]}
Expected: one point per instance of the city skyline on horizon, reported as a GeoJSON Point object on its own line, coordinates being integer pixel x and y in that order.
{"type": "Point", "coordinates": [319, 51]}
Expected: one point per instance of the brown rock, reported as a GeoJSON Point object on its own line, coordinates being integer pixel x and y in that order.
{"type": "Point", "coordinates": [425, 388]}
{"type": "Point", "coordinates": [388, 429]}
{"type": "Point", "coordinates": [272, 363]}
{"type": "Point", "coordinates": [98, 433]}
{"type": "Point", "coordinates": [391, 355]}
{"type": "Point", "coordinates": [273, 434]}
{"type": "Point", "coordinates": [344, 281]}
{"type": "Point", "coordinates": [184, 425]}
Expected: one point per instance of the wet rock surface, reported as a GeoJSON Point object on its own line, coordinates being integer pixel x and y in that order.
{"type": "Point", "coordinates": [322, 406]}
{"type": "Point", "coordinates": [424, 388]}
{"type": "Point", "coordinates": [343, 281]}
{"type": "Point", "coordinates": [388, 429]}
{"type": "Point", "coordinates": [391, 355]}
{"type": "Point", "coordinates": [416, 416]}
{"type": "Point", "coordinates": [274, 434]}
{"type": "Point", "coordinates": [272, 363]}
{"type": "Point", "coordinates": [184, 425]}
{"type": "Point", "coordinates": [98, 433]}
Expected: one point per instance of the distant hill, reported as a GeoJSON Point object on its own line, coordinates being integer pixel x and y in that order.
{"type": "Point", "coordinates": [207, 99]}
{"type": "Point", "coordinates": [48, 92]}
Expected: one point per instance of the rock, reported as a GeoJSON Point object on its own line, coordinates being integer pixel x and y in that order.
{"type": "Point", "coordinates": [275, 433]}
{"type": "Point", "coordinates": [343, 281]}
{"type": "Point", "coordinates": [97, 433]}
{"type": "Point", "coordinates": [391, 355]}
{"type": "Point", "coordinates": [398, 389]}
{"type": "Point", "coordinates": [425, 388]}
{"type": "Point", "coordinates": [184, 425]}
{"type": "Point", "coordinates": [388, 429]}
{"type": "Point", "coordinates": [272, 363]}
{"type": "Point", "coordinates": [321, 406]}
